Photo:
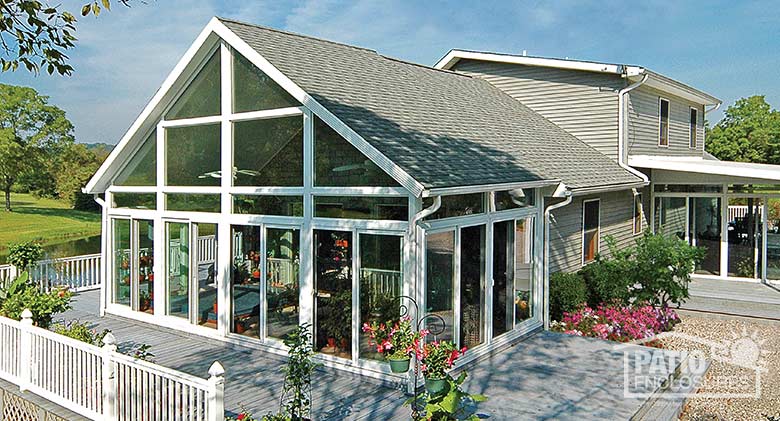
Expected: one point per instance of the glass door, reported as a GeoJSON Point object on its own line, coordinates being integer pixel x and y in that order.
{"type": "Point", "coordinates": [705, 229]}
{"type": "Point", "coordinates": [773, 239]}
{"type": "Point", "coordinates": [144, 233]}
{"type": "Point", "coordinates": [744, 237]}
{"type": "Point", "coordinates": [333, 292]}
{"type": "Point", "coordinates": [177, 263]}
{"type": "Point", "coordinates": [472, 286]}
{"type": "Point", "coordinates": [513, 270]}
{"type": "Point", "coordinates": [205, 288]}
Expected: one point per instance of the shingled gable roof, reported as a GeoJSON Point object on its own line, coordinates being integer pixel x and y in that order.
{"type": "Point", "coordinates": [444, 129]}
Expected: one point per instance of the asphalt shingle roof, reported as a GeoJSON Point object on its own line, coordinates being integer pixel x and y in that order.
{"type": "Point", "coordinates": [444, 129]}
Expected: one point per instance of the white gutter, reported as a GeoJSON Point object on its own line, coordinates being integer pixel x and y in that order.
{"type": "Point", "coordinates": [561, 191]}
{"type": "Point", "coordinates": [715, 108]}
{"type": "Point", "coordinates": [622, 127]}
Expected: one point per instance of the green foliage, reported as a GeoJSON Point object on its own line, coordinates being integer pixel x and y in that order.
{"type": "Point", "coordinates": [663, 267]}
{"type": "Point", "coordinates": [567, 292]}
{"type": "Point", "coordinates": [43, 305]}
{"type": "Point", "coordinates": [141, 352]}
{"type": "Point", "coordinates": [607, 279]}
{"type": "Point", "coordinates": [23, 255]}
{"type": "Point", "coordinates": [296, 392]}
{"type": "Point", "coordinates": [749, 132]}
{"type": "Point", "coordinates": [14, 287]}
{"type": "Point", "coordinates": [451, 404]}
{"type": "Point", "coordinates": [74, 167]}
{"type": "Point", "coordinates": [80, 332]}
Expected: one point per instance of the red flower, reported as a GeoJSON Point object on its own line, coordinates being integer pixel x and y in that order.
{"type": "Point", "coordinates": [241, 416]}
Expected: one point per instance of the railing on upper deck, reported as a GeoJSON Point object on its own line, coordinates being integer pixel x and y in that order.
{"type": "Point", "coordinates": [79, 273]}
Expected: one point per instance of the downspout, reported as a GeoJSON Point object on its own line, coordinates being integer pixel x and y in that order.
{"type": "Point", "coordinates": [622, 127]}
{"type": "Point", "coordinates": [103, 252]}
{"type": "Point", "coordinates": [561, 191]}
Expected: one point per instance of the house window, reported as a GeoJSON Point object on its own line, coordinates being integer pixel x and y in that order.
{"type": "Point", "coordinates": [663, 122]}
{"type": "Point", "coordinates": [692, 132]}
{"type": "Point", "coordinates": [637, 214]}
{"type": "Point", "coordinates": [457, 205]}
{"type": "Point", "coordinates": [268, 152]}
{"type": "Point", "coordinates": [590, 230]}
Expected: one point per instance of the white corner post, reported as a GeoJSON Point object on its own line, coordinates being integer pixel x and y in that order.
{"type": "Point", "coordinates": [109, 378]}
{"type": "Point", "coordinates": [216, 393]}
{"type": "Point", "coordinates": [25, 350]}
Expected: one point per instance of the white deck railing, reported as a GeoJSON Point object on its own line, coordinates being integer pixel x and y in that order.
{"type": "Point", "coordinates": [79, 273]}
{"type": "Point", "coordinates": [100, 383]}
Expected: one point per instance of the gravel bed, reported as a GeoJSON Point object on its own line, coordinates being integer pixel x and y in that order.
{"type": "Point", "coordinates": [739, 333]}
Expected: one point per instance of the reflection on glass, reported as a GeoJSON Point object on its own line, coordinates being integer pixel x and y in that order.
{"type": "Point", "coordinates": [122, 257]}
{"type": "Point", "coordinates": [440, 274]}
{"type": "Point", "coordinates": [245, 280]}
{"type": "Point", "coordinates": [141, 170]}
{"type": "Point", "coordinates": [333, 289]}
{"type": "Point", "coordinates": [503, 272]}
{"type": "Point", "coordinates": [177, 258]}
{"type": "Point", "coordinates": [268, 152]}
{"type": "Point", "coordinates": [339, 164]}
{"type": "Point", "coordinates": [381, 276]}
{"type": "Point", "coordinates": [282, 284]}
{"type": "Point", "coordinates": [145, 233]}
{"type": "Point", "coordinates": [206, 258]}
{"type": "Point", "coordinates": [524, 270]}
{"type": "Point", "coordinates": [457, 205]}
{"type": "Point", "coordinates": [744, 234]}
{"type": "Point", "coordinates": [705, 232]}
{"type": "Point", "coordinates": [363, 207]}
{"type": "Point", "coordinates": [134, 200]}
{"type": "Point", "coordinates": [192, 155]}
{"type": "Point", "coordinates": [773, 239]}
{"type": "Point", "coordinates": [202, 96]}
{"type": "Point", "coordinates": [519, 198]}
{"type": "Point", "coordinates": [472, 286]}
{"type": "Point", "coordinates": [192, 202]}
{"type": "Point", "coordinates": [253, 90]}
{"type": "Point", "coordinates": [670, 216]}
{"type": "Point", "coordinates": [268, 205]}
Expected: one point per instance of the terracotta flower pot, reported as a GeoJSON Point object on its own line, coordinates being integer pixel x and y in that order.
{"type": "Point", "coordinates": [435, 386]}
{"type": "Point", "coordinates": [399, 366]}
{"type": "Point", "coordinates": [331, 342]}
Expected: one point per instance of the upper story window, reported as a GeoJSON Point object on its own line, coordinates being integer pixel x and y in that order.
{"type": "Point", "coordinates": [590, 230]}
{"type": "Point", "coordinates": [663, 122]}
{"type": "Point", "coordinates": [692, 130]}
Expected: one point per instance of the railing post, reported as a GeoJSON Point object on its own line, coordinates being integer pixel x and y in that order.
{"type": "Point", "coordinates": [109, 378]}
{"type": "Point", "coordinates": [216, 394]}
{"type": "Point", "coordinates": [25, 350]}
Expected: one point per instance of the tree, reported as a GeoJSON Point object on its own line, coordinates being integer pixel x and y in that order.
{"type": "Point", "coordinates": [749, 132]}
{"type": "Point", "coordinates": [75, 166]}
{"type": "Point", "coordinates": [37, 35]}
{"type": "Point", "coordinates": [32, 134]}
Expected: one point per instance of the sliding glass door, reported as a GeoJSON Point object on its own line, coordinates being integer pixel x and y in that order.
{"type": "Point", "coordinates": [177, 259]}
{"type": "Point", "coordinates": [333, 292]}
{"type": "Point", "coordinates": [513, 270]}
{"type": "Point", "coordinates": [705, 231]}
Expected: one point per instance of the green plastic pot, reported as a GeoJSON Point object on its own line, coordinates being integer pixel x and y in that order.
{"type": "Point", "coordinates": [435, 386]}
{"type": "Point", "coordinates": [399, 366]}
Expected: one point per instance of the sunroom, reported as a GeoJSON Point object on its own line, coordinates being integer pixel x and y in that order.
{"type": "Point", "coordinates": [312, 226]}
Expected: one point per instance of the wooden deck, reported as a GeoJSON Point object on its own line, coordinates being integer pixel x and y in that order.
{"type": "Point", "coordinates": [740, 298]}
{"type": "Point", "coordinates": [546, 376]}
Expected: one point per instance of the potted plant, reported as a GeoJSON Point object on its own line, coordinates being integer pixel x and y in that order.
{"type": "Point", "coordinates": [396, 342]}
{"type": "Point", "coordinates": [436, 358]}
{"type": "Point", "coordinates": [145, 301]}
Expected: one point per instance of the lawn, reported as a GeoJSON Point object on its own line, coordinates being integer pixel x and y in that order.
{"type": "Point", "coordinates": [47, 220]}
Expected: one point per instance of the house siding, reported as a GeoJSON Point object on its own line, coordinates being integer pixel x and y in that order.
{"type": "Point", "coordinates": [643, 124]}
{"type": "Point", "coordinates": [585, 104]}
{"type": "Point", "coordinates": [617, 219]}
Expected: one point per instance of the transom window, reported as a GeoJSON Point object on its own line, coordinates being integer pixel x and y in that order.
{"type": "Point", "coordinates": [202, 96]}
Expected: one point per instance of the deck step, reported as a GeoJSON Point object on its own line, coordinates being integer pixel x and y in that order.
{"type": "Point", "coordinates": [667, 403]}
{"type": "Point", "coordinates": [732, 307]}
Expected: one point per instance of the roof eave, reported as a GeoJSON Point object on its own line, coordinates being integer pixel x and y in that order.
{"type": "Point", "coordinates": [669, 85]}
{"type": "Point", "coordinates": [479, 188]}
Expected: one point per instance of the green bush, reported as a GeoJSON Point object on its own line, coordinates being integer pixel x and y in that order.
{"type": "Point", "coordinates": [43, 305]}
{"type": "Point", "coordinates": [567, 292]}
{"type": "Point", "coordinates": [610, 280]}
{"type": "Point", "coordinates": [452, 403]}
{"type": "Point", "coordinates": [23, 255]}
{"type": "Point", "coordinates": [80, 332]}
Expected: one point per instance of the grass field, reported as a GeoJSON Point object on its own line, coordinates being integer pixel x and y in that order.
{"type": "Point", "coordinates": [47, 220]}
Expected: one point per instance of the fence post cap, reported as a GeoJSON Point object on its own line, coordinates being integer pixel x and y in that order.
{"type": "Point", "coordinates": [109, 340]}
{"type": "Point", "coordinates": [216, 369]}
{"type": "Point", "coordinates": [27, 315]}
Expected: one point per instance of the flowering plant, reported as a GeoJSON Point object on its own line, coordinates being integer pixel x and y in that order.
{"type": "Point", "coordinates": [438, 357]}
{"type": "Point", "coordinates": [617, 323]}
{"type": "Point", "coordinates": [396, 342]}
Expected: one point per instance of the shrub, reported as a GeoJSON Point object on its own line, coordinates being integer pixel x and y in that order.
{"type": "Point", "coordinates": [80, 332]}
{"type": "Point", "coordinates": [617, 323]}
{"type": "Point", "coordinates": [567, 292]}
{"type": "Point", "coordinates": [662, 269]}
{"type": "Point", "coordinates": [43, 305]}
{"type": "Point", "coordinates": [451, 404]}
{"type": "Point", "coordinates": [296, 392]}
{"type": "Point", "coordinates": [23, 255]}
{"type": "Point", "coordinates": [609, 280]}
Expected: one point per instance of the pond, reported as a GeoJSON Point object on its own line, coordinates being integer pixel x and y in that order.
{"type": "Point", "coordinates": [87, 245]}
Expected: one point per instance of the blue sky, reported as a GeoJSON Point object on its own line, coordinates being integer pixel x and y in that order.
{"type": "Point", "coordinates": [730, 49]}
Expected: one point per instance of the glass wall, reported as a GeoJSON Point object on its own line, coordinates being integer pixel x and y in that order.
{"type": "Point", "coordinates": [744, 236]}
{"type": "Point", "coordinates": [245, 279]}
{"type": "Point", "coordinates": [513, 270]}
{"type": "Point", "coordinates": [206, 287]}
{"type": "Point", "coordinates": [282, 281]}
{"type": "Point", "coordinates": [472, 286]}
{"type": "Point", "coordinates": [177, 261]}
{"type": "Point", "coordinates": [268, 152]}
{"type": "Point", "coordinates": [524, 270]}
{"type": "Point", "coordinates": [362, 207]}
{"type": "Point", "coordinates": [192, 155]}
{"type": "Point", "coordinates": [381, 279]}
{"type": "Point", "coordinates": [122, 261]}
{"type": "Point", "coordinates": [440, 275]}
{"type": "Point", "coordinates": [333, 292]}
{"type": "Point", "coordinates": [145, 235]}
{"type": "Point", "coordinates": [670, 216]}
{"type": "Point", "coordinates": [704, 219]}
{"type": "Point", "coordinates": [772, 221]}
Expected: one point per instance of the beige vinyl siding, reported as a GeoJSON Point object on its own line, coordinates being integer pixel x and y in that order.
{"type": "Point", "coordinates": [643, 123]}
{"type": "Point", "coordinates": [617, 220]}
{"type": "Point", "coordinates": [584, 104]}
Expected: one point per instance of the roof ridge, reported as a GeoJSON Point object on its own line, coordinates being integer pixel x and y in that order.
{"type": "Point", "coordinates": [424, 66]}
{"type": "Point", "coordinates": [296, 34]}
{"type": "Point", "coordinates": [542, 57]}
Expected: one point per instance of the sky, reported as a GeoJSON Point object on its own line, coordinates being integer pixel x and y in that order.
{"type": "Point", "coordinates": [730, 49]}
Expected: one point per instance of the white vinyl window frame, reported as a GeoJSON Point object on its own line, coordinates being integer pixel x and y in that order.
{"type": "Point", "coordinates": [584, 231]}
{"type": "Point", "coordinates": [664, 130]}
{"type": "Point", "coordinates": [638, 210]}
{"type": "Point", "coordinates": [693, 128]}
